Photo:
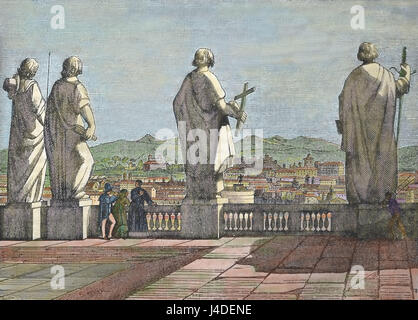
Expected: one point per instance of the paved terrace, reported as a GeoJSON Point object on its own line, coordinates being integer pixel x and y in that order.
{"type": "Point", "coordinates": [281, 267]}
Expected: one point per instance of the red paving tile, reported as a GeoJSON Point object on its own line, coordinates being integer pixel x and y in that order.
{"type": "Point", "coordinates": [398, 277]}
{"type": "Point", "coordinates": [395, 293]}
{"type": "Point", "coordinates": [393, 250]}
{"type": "Point", "coordinates": [285, 267]}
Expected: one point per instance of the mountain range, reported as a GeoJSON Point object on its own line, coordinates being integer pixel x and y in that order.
{"type": "Point", "coordinates": [285, 151]}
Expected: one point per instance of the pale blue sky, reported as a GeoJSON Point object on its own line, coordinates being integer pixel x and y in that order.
{"type": "Point", "coordinates": [136, 54]}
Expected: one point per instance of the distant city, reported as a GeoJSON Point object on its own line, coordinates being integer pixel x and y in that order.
{"type": "Point", "coordinates": [306, 182]}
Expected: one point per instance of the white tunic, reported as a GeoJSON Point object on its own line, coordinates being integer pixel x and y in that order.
{"type": "Point", "coordinates": [26, 156]}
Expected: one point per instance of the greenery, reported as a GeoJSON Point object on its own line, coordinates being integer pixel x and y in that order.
{"type": "Point", "coordinates": [115, 158]}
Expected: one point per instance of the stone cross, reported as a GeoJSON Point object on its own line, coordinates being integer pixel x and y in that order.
{"type": "Point", "coordinates": [243, 97]}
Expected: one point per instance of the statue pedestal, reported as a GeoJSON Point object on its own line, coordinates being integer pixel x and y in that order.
{"type": "Point", "coordinates": [201, 219]}
{"type": "Point", "coordinates": [22, 221]}
{"type": "Point", "coordinates": [68, 219]}
{"type": "Point", "coordinates": [242, 196]}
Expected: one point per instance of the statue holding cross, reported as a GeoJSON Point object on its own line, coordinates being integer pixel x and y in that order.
{"type": "Point", "coordinates": [243, 97]}
{"type": "Point", "coordinates": [202, 116]}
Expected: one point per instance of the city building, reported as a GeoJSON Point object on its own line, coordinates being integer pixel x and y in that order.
{"type": "Point", "coordinates": [154, 164]}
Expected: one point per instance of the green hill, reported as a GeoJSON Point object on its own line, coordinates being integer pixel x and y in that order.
{"type": "Point", "coordinates": [114, 157]}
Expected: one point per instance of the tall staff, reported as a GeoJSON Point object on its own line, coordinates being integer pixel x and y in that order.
{"type": "Point", "coordinates": [401, 74]}
{"type": "Point", "coordinates": [47, 78]}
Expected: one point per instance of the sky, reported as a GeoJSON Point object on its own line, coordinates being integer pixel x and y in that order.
{"type": "Point", "coordinates": [137, 53]}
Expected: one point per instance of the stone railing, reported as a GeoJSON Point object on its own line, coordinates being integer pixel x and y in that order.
{"type": "Point", "coordinates": [247, 219]}
{"type": "Point", "coordinates": [162, 221]}
{"type": "Point", "coordinates": [163, 218]}
{"type": "Point", "coordinates": [171, 221]}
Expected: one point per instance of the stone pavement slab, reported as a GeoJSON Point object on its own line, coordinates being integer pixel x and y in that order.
{"type": "Point", "coordinates": [333, 264]}
{"type": "Point", "coordinates": [287, 278]}
{"type": "Point", "coordinates": [279, 287]}
{"type": "Point", "coordinates": [16, 270]}
{"type": "Point", "coordinates": [393, 264]}
{"type": "Point", "coordinates": [219, 265]}
{"type": "Point", "coordinates": [322, 291]}
{"type": "Point", "coordinates": [247, 241]}
{"type": "Point", "coordinates": [7, 243]}
{"type": "Point", "coordinates": [271, 296]}
{"type": "Point", "coordinates": [82, 243]}
{"type": "Point", "coordinates": [14, 285]}
{"type": "Point", "coordinates": [161, 294]}
{"type": "Point", "coordinates": [395, 293]}
{"type": "Point", "coordinates": [226, 252]}
{"type": "Point", "coordinates": [39, 243]}
{"type": "Point", "coordinates": [47, 275]}
{"type": "Point", "coordinates": [327, 277]}
{"type": "Point", "coordinates": [397, 277]}
{"type": "Point", "coordinates": [339, 248]}
{"type": "Point", "coordinates": [393, 250]}
{"type": "Point", "coordinates": [205, 243]}
{"type": "Point", "coordinates": [243, 271]}
{"type": "Point", "coordinates": [162, 243]}
{"type": "Point", "coordinates": [123, 243]}
{"type": "Point", "coordinates": [368, 289]}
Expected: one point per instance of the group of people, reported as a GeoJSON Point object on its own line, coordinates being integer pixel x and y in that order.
{"type": "Point", "coordinates": [123, 215]}
{"type": "Point", "coordinates": [52, 131]}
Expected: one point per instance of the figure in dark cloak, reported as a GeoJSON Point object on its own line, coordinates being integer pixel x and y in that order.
{"type": "Point", "coordinates": [137, 221]}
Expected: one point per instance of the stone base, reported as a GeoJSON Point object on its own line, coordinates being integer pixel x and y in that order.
{"type": "Point", "coordinates": [243, 196]}
{"type": "Point", "coordinates": [22, 221]}
{"type": "Point", "coordinates": [68, 219]}
{"type": "Point", "coordinates": [373, 221]}
{"type": "Point", "coordinates": [201, 219]}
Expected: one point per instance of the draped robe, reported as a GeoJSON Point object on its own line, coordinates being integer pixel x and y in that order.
{"type": "Point", "coordinates": [69, 157]}
{"type": "Point", "coordinates": [367, 107]}
{"type": "Point", "coordinates": [196, 109]}
{"type": "Point", "coordinates": [26, 155]}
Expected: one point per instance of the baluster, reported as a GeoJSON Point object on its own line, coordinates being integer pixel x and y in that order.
{"type": "Point", "coordinates": [179, 221]}
{"type": "Point", "coordinates": [318, 219]}
{"type": "Point", "coordinates": [235, 221]}
{"type": "Point", "coordinates": [313, 221]}
{"type": "Point", "coordinates": [154, 220]}
{"type": "Point", "coordinates": [275, 221]}
{"type": "Point", "coordinates": [149, 221]}
{"type": "Point", "coordinates": [280, 221]}
{"type": "Point", "coordinates": [173, 220]}
{"type": "Point", "coordinates": [269, 219]}
{"type": "Point", "coordinates": [166, 218]}
{"type": "Point", "coordinates": [286, 218]}
{"type": "Point", "coordinates": [329, 215]}
{"type": "Point", "coordinates": [241, 217]}
{"type": "Point", "coordinates": [264, 221]}
{"type": "Point", "coordinates": [251, 221]}
{"type": "Point", "coordinates": [246, 220]}
{"type": "Point", "coordinates": [307, 217]}
{"type": "Point", "coordinates": [302, 216]}
{"type": "Point", "coordinates": [323, 222]}
{"type": "Point", "coordinates": [160, 221]}
{"type": "Point", "coordinates": [226, 221]}
{"type": "Point", "coordinates": [230, 220]}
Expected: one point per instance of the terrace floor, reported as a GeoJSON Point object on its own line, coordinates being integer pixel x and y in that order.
{"type": "Point", "coordinates": [267, 268]}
